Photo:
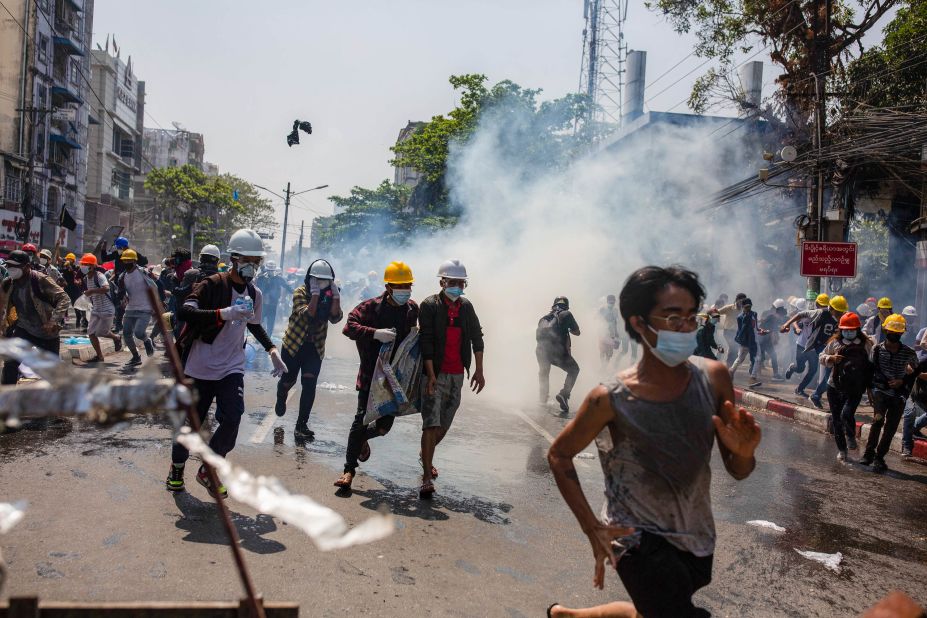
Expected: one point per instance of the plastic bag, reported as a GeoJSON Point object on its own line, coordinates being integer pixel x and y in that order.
{"type": "Point", "coordinates": [395, 389]}
{"type": "Point", "coordinates": [82, 303]}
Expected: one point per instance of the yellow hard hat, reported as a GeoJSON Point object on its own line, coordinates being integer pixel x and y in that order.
{"type": "Point", "coordinates": [398, 273]}
{"type": "Point", "coordinates": [70, 256]}
{"type": "Point", "coordinates": [895, 323]}
{"type": "Point", "coordinates": [885, 303]}
{"type": "Point", "coordinates": [823, 300]}
{"type": "Point", "coordinates": [839, 303]}
{"type": "Point", "coordinates": [128, 254]}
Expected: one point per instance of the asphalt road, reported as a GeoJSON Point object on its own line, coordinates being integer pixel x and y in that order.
{"type": "Point", "coordinates": [496, 541]}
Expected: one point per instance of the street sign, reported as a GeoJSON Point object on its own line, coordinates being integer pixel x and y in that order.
{"type": "Point", "coordinates": [828, 259]}
{"type": "Point", "coordinates": [65, 113]}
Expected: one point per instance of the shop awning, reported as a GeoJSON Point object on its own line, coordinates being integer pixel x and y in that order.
{"type": "Point", "coordinates": [72, 48]}
{"type": "Point", "coordinates": [61, 139]}
{"type": "Point", "coordinates": [66, 95]}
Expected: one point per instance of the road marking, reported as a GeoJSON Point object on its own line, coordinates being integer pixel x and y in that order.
{"type": "Point", "coordinates": [268, 422]}
{"type": "Point", "coordinates": [544, 433]}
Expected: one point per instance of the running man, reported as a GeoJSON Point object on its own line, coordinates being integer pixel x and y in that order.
{"type": "Point", "coordinates": [662, 416]}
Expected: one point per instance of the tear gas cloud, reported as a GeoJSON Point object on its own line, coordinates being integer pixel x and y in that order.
{"type": "Point", "coordinates": [528, 235]}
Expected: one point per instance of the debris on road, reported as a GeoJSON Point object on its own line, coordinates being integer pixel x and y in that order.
{"type": "Point", "coordinates": [762, 523]}
{"type": "Point", "coordinates": [831, 561]}
{"type": "Point", "coordinates": [11, 513]}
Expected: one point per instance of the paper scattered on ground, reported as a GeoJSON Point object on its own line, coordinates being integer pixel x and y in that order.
{"type": "Point", "coordinates": [10, 514]}
{"type": "Point", "coordinates": [762, 523]}
{"type": "Point", "coordinates": [585, 455]}
{"type": "Point", "coordinates": [831, 561]}
{"type": "Point", "coordinates": [327, 529]}
{"type": "Point", "coordinates": [332, 387]}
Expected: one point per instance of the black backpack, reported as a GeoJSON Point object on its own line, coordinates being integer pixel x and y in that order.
{"type": "Point", "coordinates": [854, 373]}
{"type": "Point", "coordinates": [549, 331]}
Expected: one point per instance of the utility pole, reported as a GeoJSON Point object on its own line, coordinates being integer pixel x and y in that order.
{"type": "Point", "coordinates": [299, 256]}
{"type": "Point", "coordinates": [820, 61]}
{"type": "Point", "coordinates": [26, 205]}
{"type": "Point", "coordinates": [286, 216]}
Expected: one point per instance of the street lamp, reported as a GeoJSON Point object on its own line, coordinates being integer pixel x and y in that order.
{"type": "Point", "coordinates": [286, 212]}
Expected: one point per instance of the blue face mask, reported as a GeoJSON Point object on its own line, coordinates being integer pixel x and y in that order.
{"type": "Point", "coordinates": [453, 292]}
{"type": "Point", "coordinates": [673, 348]}
{"type": "Point", "coordinates": [401, 297]}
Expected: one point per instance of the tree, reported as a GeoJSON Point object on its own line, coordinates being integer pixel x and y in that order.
{"type": "Point", "coordinates": [251, 210]}
{"type": "Point", "coordinates": [192, 200]}
{"type": "Point", "coordinates": [794, 32]}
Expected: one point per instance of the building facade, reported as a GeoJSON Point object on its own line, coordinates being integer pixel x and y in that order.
{"type": "Point", "coordinates": [407, 175]}
{"type": "Point", "coordinates": [115, 143]}
{"type": "Point", "coordinates": [44, 117]}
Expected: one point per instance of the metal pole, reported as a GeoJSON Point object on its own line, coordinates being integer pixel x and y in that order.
{"type": "Point", "coordinates": [299, 256]}
{"type": "Point", "coordinates": [286, 218]}
{"type": "Point", "coordinates": [192, 228]}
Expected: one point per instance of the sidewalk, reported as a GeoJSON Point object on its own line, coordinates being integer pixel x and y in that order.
{"type": "Point", "coordinates": [780, 398]}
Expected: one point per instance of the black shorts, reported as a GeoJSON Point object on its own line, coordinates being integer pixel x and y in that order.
{"type": "Point", "coordinates": [661, 578]}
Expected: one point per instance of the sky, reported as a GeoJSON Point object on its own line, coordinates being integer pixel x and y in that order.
{"type": "Point", "coordinates": [241, 71]}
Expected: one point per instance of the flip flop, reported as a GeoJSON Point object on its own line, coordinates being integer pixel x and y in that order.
{"type": "Point", "coordinates": [343, 483]}
{"type": "Point", "coordinates": [426, 491]}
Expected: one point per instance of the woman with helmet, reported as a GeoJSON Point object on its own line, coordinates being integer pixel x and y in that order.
{"type": "Point", "coordinates": [316, 304]}
{"type": "Point", "coordinates": [847, 356]}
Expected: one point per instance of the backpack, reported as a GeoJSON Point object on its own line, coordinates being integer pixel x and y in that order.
{"type": "Point", "coordinates": [548, 330]}
{"type": "Point", "coordinates": [854, 373]}
{"type": "Point", "coordinates": [37, 292]}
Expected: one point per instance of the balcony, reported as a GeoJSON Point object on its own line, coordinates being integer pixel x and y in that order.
{"type": "Point", "coordinates": [67, 38]}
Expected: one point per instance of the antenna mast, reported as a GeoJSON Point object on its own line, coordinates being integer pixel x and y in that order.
{"type": "Point", "coordinates": [605, 53]}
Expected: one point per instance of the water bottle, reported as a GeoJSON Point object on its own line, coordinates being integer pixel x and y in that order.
{"type": "Point", "coordinates": [243, 300]}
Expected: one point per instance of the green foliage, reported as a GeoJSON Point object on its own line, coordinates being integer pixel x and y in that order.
{"type": "Point", "coordinates": [252, 210]}
{"type": "Point", "coordinates": [894, 73]}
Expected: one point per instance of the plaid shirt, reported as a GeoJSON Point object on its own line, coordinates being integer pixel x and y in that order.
{"type": "Point", "coordinates": [363, 321]}
{"type": "Point", "coordinates": [303, 327]}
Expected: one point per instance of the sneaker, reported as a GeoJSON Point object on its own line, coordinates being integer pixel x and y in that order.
{"type": "Point", "coordinates": [303, 432]}
{"type": "Point", "coordinates": [755, 383]}
{"type": "Point", "coordinates": [149, 347]}
{"type": "Point", "coordinates": [851, 444]}
{"type": "Point", "coordinates": [175, 478]}
{"type": "Point", "coordinates": [905, 453]}
{"type": "Point", "coordinates": [800, 392]}
{"type": "Point", "coordinates": [841, 455]}
{"type": "Point", "coordinates": [867, 459]}
{"type": "Point", "coordinates": [816, 402]}
{"type": "Point", "coordinates": [118, 343]}
{"type": "Point", "coordinates": [280, 407]}
{"type": "Point", "coordinates": [203, 479]}
{"type": "Point", "coordinates": [135, 361]}
{"type": "Point", "coordinates": [789, 372]}
{"type": "Point", "coordinates": [778, 378]}
{"type": "Point", "coordinates": [878, 465]}
{"type": "Point", "coordinates": [564, 403]}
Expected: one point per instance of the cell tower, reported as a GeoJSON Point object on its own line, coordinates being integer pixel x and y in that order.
{"type": "Point", "coordinates": [604, 55]}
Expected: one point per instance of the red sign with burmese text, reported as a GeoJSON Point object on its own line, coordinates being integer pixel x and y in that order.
{"type": "Point", "coordinates": [828, 259]}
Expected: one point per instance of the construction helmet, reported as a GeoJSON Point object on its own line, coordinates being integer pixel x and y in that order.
{"type": "Point", "coordinates": [895, 323]}
{"type": "Point", "coordinates": [822, 300]}
{"type": "Point", "coordinates": [864, 310]}
{"type": "Point", "coordinates": [211, 250]}
{"type": "Point", "coordinates": [70, 256]}
{"type": "Point", "coordinates": [122, 243]}
{"type": "Point", "coordinates": [29, 248]}
{"type": "Point", "coordinates": [128, 255]}
{"type": "Point", "coordinates": [246, 242]}
{"type": "Point", "coordinates": [839, 303]}
{"type": "Point", "coordinates": [884, 303]}
{"type": "Point", "coordinates": [850, 320]}
{"type": "Point", "coordinates": [399, 273]}
{"type": "Point", "coordinates": [562, 301]}
{"type": "Point", "coordinates": [88, 259]}
{"type": "Point", "coordinates": [270, 265]}
{"type": "Point", "coordinates": [909, 312]}
{"type": "Point", "coordinates": [779, 303]}
{"type": "Point", "coordinates": [453, 269]}
{"type": "Point", "coordinates": [320, 269]}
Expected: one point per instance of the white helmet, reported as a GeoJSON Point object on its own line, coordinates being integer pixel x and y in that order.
{"type": "Point", "coordinates": [453, 269]}
{"type": "Point", "coordinates": [909, 311]}
{"type": "Point", "coordinates": [246, 242]}
{"type": "Point", "coordinates": [801, 304]}
{"type": "Point", "coordinates": [320, 269]}
{"type": "Point", "coordinates": [211, 250]}
{"type": "Point", "coordinates": [779, 303]}
{"type": "Point", "coordinates": [270, 265]}
{"type": "Point", "coordinates": [864, 310]}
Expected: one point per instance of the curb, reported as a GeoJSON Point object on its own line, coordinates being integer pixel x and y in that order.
{"type": "Point", "coordinates": [816, 419]}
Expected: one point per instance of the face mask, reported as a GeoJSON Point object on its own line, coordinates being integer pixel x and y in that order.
{"type": "Point", "coordinates": [15, 273]}
{"type": "Point", "coordinates": [119, 251]}
{"type": "Point", "coordinates": [43, 261]}
{"type": "Point", "coordinates": [247, 271]}
{"type": "Point", "coordinates": [401, 297]}
{"type": "Point", "coordinates": [130, 266]}
{"type": "Point", "coordinates": [85, 269]}
{"type": "Point", "coordinates": [893, 337]}
{"type": "Point", "coordinates": [849, 335]}
{"type": "Point", "coordinates": [453, 292]}
{"type": "Point", "coordinates": [673, 348]}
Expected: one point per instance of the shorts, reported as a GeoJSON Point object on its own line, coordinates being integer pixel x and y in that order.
{"type": "Point", "coordinates": [439, 410]}
{"type": "Point", "coordinates": [99, 325]}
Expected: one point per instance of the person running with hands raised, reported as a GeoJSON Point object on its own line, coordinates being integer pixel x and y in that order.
{"type": "Point", "coordinates": [662, 415]}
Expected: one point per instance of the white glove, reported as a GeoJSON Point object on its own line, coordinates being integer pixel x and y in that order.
{"type": "Point", "coordinates": [385, 335]}
{"type": "Point", "coordinates": [279, 365]}
{"type": "Point", "coordinates": [314, 287]}
{"type": "Point", "coordinates": [336, 293]}
{"type": "Point", "coordinates": [236, 312]}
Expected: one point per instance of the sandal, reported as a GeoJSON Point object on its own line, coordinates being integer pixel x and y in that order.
{"type": "Point", "coordinates": [345, 481]}
{"type": "Point", "coordinates": [434, 471]}
{"type": "Point", "coordinates": [550, 609]}
{"type": "Point", "coordinates": [365, 453]}
{"type": "Point", "coordinates": [95, 359]}
{"type": "Point", "coordinates": [426, 490]}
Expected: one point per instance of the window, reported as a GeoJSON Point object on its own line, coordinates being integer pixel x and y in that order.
{"type": "Point", "coordinates": [126, 149]}
{"type": "Point", "coordinates": [75, 72]}
{"type": "Point", "coordinates": [42, 50]}
{"type": "Point", "coordinates": [12, 187]}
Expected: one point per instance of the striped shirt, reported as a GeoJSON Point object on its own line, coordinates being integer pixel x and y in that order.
{"type": "Point", "coordinates": [891, 366]}
{"type": "Point", "coordinates": [302, 327]}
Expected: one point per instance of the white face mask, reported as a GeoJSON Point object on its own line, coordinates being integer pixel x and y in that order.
{"type": "Point", "coordinates": [15, 272]}
{"type": "Point", "coordinates": [85, 269]}
{"type": "Point", "coordinates": [673, 348]}
{"type": "Point", "coordinates": [43, 261]}
{"type": "Point", "coordinates": [324, 284]}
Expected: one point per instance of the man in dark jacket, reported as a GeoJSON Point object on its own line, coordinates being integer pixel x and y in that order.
{"type": "Point", "coordinates": [554, 348]}
{"type": "Point", "coordinates": [274, 286]}
{"type": "Point", "coordinates": [449, 330]}
{"type": "Point", "coordinates": [748, 328]}
{"type": "Point", "coordinates": [705, 341]}
{"type": "Point", "coordinates": [379, 320]}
